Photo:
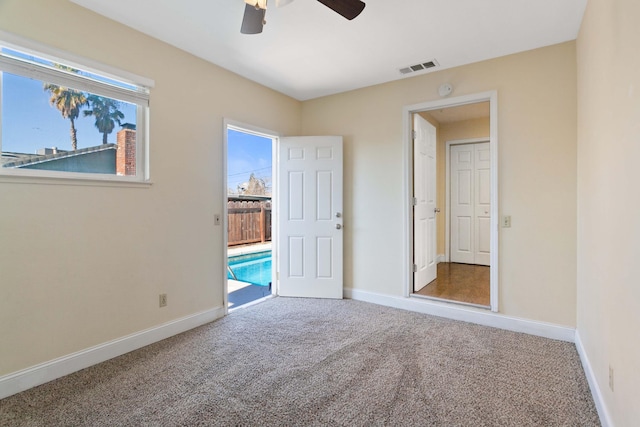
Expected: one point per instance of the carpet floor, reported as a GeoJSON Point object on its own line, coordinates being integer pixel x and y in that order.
{"type": "Point", "coordinates": [298, 362]}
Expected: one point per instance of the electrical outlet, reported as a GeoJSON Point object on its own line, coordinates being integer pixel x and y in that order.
{"type": "Point", "coordinates": [506, 221]}
{"type": "Point", "coordinates": [611, 377]}
{"type": "Point", "coordinates": [163, 300]}
{"type": "Point", "coordinates": [216, 219]}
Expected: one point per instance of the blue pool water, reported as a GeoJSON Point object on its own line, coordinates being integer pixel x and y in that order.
{"type": "Point", "coordinates": [252, 268]}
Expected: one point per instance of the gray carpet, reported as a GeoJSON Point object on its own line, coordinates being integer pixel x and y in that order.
{"type": "Point", "coordinates": [299, 362]}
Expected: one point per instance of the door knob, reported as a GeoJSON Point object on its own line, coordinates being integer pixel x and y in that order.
{"type": "Point", "coordinates": [338, 226]}
{"type": "Point", "coordinates": [436, 210]}
{"type": "Point", "coordinates": [338, 215]}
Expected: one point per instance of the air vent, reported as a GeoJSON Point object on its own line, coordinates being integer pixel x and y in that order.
{"type": "Point", "coordinates": [419, 67]}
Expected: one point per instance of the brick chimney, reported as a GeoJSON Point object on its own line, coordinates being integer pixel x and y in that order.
{"type": "Point", "coordinates": [126, 154]}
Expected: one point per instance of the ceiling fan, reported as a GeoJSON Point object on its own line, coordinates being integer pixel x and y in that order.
{"type": "Point", "coordinates": [254, 12]}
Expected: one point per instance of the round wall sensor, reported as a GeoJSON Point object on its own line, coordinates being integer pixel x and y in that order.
{"type": "Point", "coordinates": [445, 89]}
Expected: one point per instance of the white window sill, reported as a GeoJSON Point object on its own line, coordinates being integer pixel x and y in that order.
{"type": "Point", "coordinates": [93, 180]}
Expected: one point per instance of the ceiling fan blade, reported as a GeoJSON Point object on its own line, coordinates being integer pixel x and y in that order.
{"type": "Point", "coordinates": [253, 20]}
{"type": "Point", "coordinates": [347, 8]}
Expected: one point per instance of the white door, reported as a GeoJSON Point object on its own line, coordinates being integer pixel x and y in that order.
{"type": "Point", "coordinates": [424, 211]}
{"type": "Point", "coordinates": [482, 218]}
{"type": "Point", "coordinates": [470, 203]}
{"type": "Point", "coordinates": [310, 217]}
{"type": "Point", "coordinates": [461, 172]}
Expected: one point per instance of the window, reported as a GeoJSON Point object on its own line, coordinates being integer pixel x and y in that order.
{"type": "Point", "coordinates": [59, 119]}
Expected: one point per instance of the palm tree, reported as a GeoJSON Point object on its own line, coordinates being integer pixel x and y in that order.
{"type": "Point", "coordinates": [106, 113]}
{"type": "Point", "coordinates": [68, 101]}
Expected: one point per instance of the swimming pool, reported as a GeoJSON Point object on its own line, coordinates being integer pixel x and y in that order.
{"type": "Point", "coordinates": [252, 268]}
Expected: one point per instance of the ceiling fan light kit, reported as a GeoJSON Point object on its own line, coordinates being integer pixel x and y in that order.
{"type": "Point", "coordinates": [258, 4]}
{"type": "Point", "coordinates": [254, 12]}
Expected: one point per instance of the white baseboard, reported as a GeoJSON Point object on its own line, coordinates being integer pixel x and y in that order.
{"type": "Point", "coordinates": [466, 314]}
{"type": "Point", "coordinates": [27, 378]}
{"type": "Point", "coordinates": [440, 258]}
{"type": "Point", "coordinates": [596, 391]}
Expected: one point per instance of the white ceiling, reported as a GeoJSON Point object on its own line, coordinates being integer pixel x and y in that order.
{"type": "Point", "coordinates": [306, 50]}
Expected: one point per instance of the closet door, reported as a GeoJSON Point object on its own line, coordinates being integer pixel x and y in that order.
{"type": "Point", "coordinates": [470, 197]}
{"type": "Point", "coordinates": [482, 210]}
{"type": "Point", "coordinates": [462, 203]}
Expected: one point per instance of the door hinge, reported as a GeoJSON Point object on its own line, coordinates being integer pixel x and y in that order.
{"type": "Point", "coordinates": [415, 268]}
{"type": "Point", "coordinates": [414, 134]}
{"type": "Point", "coordinates": [414, 201]}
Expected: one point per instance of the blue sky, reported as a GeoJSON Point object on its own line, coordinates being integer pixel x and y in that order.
{"type": "Point", "coordinates": [247, 153]}
{"type": "Point", "coordinates": [30, 123]}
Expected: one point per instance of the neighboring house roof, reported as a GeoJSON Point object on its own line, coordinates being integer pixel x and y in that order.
{"type": "Point", "coordinates": [7, 157]}
{"type": "Point", "coordinates": [240, 197]}
{"type": "Point", "coordinates": [19, 160]}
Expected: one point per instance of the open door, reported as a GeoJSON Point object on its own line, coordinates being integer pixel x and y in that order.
{"type": "Point", "coordinates": [424, 210]}
{"type": "Point", "coordinates": [310, 217]}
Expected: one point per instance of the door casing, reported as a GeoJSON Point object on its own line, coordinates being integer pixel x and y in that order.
{"type": "Point", "coordinates": [407, 112]}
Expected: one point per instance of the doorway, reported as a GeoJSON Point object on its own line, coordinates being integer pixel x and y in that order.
{"type": "Point", "coordinates": [454, 233]}
{"type": "Point", "coordinates": [306, 242]}
{"type": "Point", "coordinates": [249, 215]}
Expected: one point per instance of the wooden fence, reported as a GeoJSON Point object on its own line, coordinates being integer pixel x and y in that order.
{"type": "Point", "coordinates": [249, 222]}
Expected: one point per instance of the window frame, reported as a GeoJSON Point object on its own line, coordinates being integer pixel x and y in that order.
{"type": "Point", "coordinates": [138, 96]}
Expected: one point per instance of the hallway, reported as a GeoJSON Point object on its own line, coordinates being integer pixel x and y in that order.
{"type": "Point", "coordinates": [460, 282]}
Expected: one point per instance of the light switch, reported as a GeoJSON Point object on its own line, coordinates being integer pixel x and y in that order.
{"type": "Point", "coordinates": [506, 221]}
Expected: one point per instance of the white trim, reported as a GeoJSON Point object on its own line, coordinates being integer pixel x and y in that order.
{"type": "Point", "coordinates": [407, 111]}
{"type": "Point", "coordinates": [596, 391]}
{"type": "Point", "coordinates": [495, 229]}
{"type": "Point", "coordinates": [143, 163]}
{"type": "Point", "coordinates": [447, 173]}
{"type": "Point", "coordinates": [39, 374]}
{"type": "Point", "coordinates": [20, 43]}
{"type": "Point", "coordinates": [466, 314]}
{"type": "Point", "coordinates": [225, 216]}
{"type": "Point", "coordinates": [441, 258]}
{"type": "Point", "coordinates": [274, 136]}
{"type": "Point", "coordinates": [45, 177]}
{"type": "Point", "coordinates": [45, 74]}
{"type": "Point", "coordinates": [250, 303]}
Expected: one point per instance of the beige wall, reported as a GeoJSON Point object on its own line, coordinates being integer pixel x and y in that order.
{"type": "Point", "coordinates": [537, 161]}
{"type": "Point", "coordinates": [82, 265]}
{"type": "Point", "coordinates": [608, 58]}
